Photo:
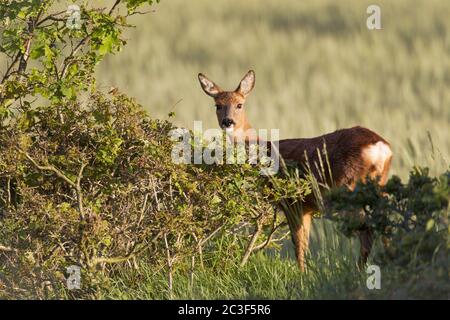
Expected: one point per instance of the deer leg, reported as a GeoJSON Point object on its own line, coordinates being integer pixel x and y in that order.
{"type": "Point", "coordinates": [366, 235]}
{"type": "Point", "coordinates": [301, 239]}
{"type": "Point", "coordinates": [366, 242]}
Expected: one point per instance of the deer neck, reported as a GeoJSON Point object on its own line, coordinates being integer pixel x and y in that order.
{"type": "Point", "coordinates": [244, 132]}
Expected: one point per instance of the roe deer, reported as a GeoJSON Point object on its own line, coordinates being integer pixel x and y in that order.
{"type": "Point", "coordinates": [353, 154]}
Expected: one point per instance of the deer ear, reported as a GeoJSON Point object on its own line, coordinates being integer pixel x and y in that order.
{"type": "Point", "coordinates": [247, 83]}
{"type": "Point", "coordinates": [210, 88]}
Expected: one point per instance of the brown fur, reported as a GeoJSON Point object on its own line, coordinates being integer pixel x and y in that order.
{"type": "Point", "coordinates": [348, 152]}
{"type": "Point", "coordinates": [343, 150]}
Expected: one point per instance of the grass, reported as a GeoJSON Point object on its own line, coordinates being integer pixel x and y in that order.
{"type": "Point", "coordinates": [266, 276]}
{"type": "Point", "coordinates": [263, 278]}
{"type": "Point", "coordinates": [332, 274]}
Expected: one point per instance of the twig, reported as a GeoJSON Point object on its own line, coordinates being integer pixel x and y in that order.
{"type": "Point", "coordinates": [191, 272]}
{"type": "Point", "coordinates": [8, 70]}
{"type": "Point", "coordinates": [79, 190]}
{"type": "Point", "coordinates": [51, 17]}
{"type": "Point", "coordinates": [96, 261]}
{"type": "Point", "coordinates": [67, 61]}
{"type": "Point", "coordinates": [139, 12]}
{"type": "Point", "coordinates": [48, 168]}
{"type": "Point", "coordinates": [144, 206]}
{"type": "Point", "coordinates": [169, 266]}
{"type": "Point", "coordinates": [24, 57]}
{"type": "Point", "coordinates": [156, 196]}
{"type": "Point", "coordinates": [7, 249]}
{"type": "Point", "coordinates": [174, 105]}
{"type": "Point", "coordinates": [203, 241]}
{"type": "Point", "coordinates": [251, 244]}
{"type": "Point", "coordinates": [76, 185]}
{"type": "Point", "coordinates": [270, 239]}
{"type": "Point", "coordinates": [114, 6]}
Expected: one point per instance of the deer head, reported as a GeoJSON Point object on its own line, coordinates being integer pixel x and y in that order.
{"type": "Point", "coordinates": [230, 109]}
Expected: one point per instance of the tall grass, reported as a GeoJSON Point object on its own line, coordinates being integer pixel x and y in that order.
{"type": "Point", "coordinates": [332, 274]}
{"type": "Point", "coordinates": [318, 68]}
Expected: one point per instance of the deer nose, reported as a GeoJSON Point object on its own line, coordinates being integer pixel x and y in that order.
{"type": "Point", "coordinates": [227, 122]}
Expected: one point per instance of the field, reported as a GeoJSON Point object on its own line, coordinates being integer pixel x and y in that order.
{"type": "Point", "coordinates": [318, 68]}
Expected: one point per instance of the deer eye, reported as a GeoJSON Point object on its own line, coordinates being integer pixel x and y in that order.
{"type": "Point", "coordinates": [218, 106]}
{"type": "Point", "coordinates": [239, 106]}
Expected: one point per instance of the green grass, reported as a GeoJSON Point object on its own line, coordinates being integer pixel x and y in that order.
{"type": "Point", "coordinates": [318, 68]}
{"type": "Point", "coordinates": [332, 274]}
{"type": "Point", "coordinates": [263, 278]}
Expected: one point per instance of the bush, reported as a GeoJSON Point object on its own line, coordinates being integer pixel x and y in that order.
{"type": "Point", "coordinates": [87, 179]}
{"type": "Point", "coordinates": [412, 220]}
{"type": "Point", "coordinates": [100, 188]}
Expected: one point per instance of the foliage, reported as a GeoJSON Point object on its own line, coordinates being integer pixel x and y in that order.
{"type": "Point", "coordinates": [87, 179]}
{"type": "Point", "coordinates": [420, 205]}
{"type": "Point", "coordinates": [411, 219]}
{"type": "Point", "coordinates": [100, 188]}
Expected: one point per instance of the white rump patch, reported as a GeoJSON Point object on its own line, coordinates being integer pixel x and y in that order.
{"type": "Point", "coordinates": [377, 154]}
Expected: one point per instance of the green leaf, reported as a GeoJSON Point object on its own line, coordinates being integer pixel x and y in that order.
{"type": "Point", "coordinates": [37, 52]}
{"type": "Point", "coordinates": [68, 92]}
{"type": "Point", "coordinates": [216, 199]}
{"type": "Point", "coordinates": [430, 225]}
{"type": "Point", "coordinates": [107, 45]}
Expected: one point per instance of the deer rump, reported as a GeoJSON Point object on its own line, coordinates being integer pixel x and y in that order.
{"type": "Point", "coordinates": [351, 154]}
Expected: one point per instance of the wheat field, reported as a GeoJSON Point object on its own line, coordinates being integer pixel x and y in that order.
{"type": "Point", "coordinates": [318, 68]}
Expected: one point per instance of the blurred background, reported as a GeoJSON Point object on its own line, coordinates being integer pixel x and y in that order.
{"type": "Point", "coordinates": [318, 68]}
